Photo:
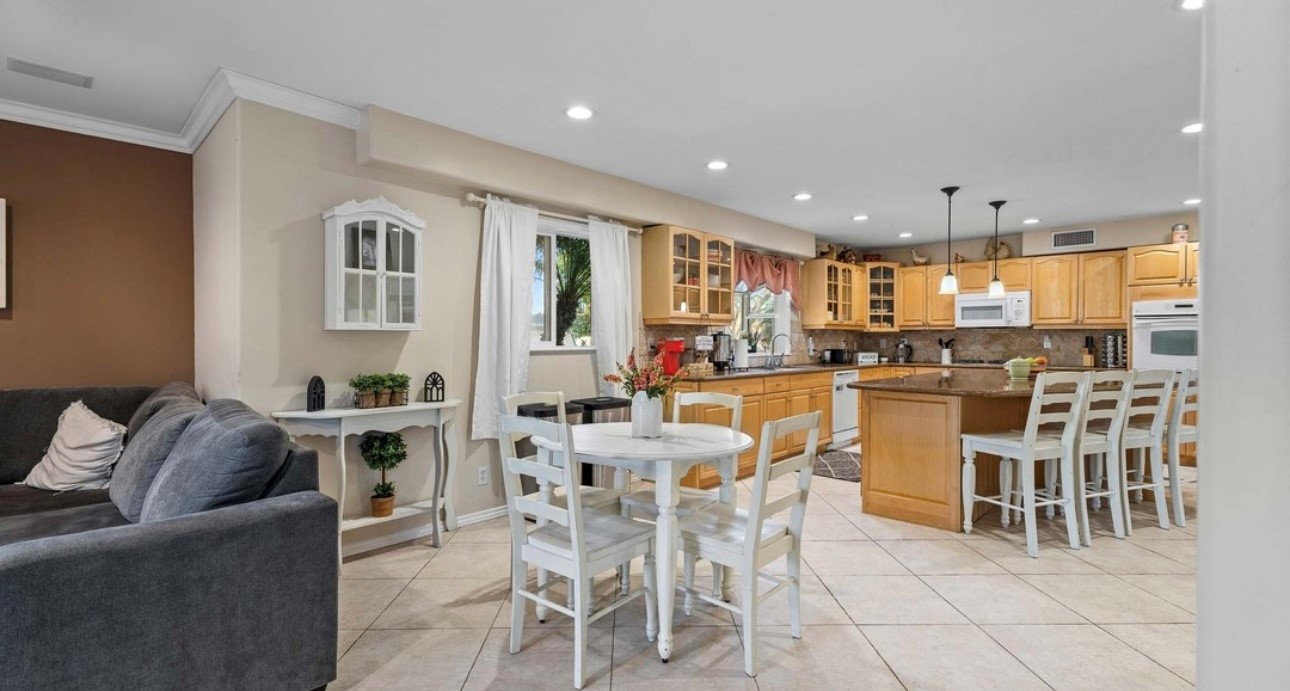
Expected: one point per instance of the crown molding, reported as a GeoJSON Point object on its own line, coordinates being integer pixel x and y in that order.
{"type": "Point", "coordinates": [220, 93]}
{"type": "Point", "coordinates": [93, 127]}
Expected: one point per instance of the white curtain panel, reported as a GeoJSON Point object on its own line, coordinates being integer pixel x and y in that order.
{"type": "Point", "coordinates": [505, 310]}
{"type": "Point", "coordinates": [611, 299]}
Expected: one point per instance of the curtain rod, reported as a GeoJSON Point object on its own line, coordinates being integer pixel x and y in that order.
{"type": "Point", "coordinates": [473, 198]}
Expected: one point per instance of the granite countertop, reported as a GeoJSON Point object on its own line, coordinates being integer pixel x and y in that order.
{"type": "Point", "coordinates": [818, 367]}
{"type": "Point", "coordinates": [973, 382]}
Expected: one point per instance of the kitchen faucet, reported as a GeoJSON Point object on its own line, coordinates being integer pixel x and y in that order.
{"type": "Point", "coordinates": [776, 361]}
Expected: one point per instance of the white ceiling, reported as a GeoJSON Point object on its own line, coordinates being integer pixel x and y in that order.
{"type": "Point", "coordinates": [1069, 109]}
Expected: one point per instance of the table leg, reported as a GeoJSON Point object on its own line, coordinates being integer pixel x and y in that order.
{"type": "Point", "coordinates": [450, 460]}
{"type": "Point", "coordinates": [438, 486]}
{"type": "Point", "coordinates": [729, 496]}
{"type": "Point", "coordinates": [340, 494]}
{"type": "Point", "coordinates": [666, 489]}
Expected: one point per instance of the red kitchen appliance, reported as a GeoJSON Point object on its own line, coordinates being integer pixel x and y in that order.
{"type": "Point", "coordinates": [671, 349]}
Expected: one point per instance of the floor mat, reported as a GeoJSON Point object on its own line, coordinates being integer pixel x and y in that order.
{"type": "Point", "coordinates": [839, 465]}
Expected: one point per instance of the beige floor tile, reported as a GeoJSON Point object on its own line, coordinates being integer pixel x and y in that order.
{"type": "Point", "coordinates": [1125, 557]}
{"type": "Point", "coordinates": [344, 639]}
{"type": "Point", "coordinates": [413, 660]}
{"type": "Point", "coordinates": [830, 487]}
{"type": "Point", "coordinates": [497, 530]}
{"type": "Point", "coordinates": [402, 561]}
{"type": "Point", "coordinates": [891, 600]}
{"type": "Point", "coordinates": [444, 604]}
{"type": "Point", "coordinates": [1001, 600]}
{"type": "Point", "coordinates": [1176, 590]}
{"type": "Point", "coordinates": [830, 528]}
{"type": "Point", "coordinates": [544, 662]}
{"type": "Point", "coordinates": [879, 528]}
{"type": "Point", "coordinates": [489, 561]}
{"type": "Point", "coordinates": [706, 657]}
{"type": "Point", "coordinates": [949, 657]}
{"type": "Point", "coordinates": [605, 589]}
{"type": "Point", "coordinates": [845, 504]}
{"type": "Point", "coordinates": [854, 558]}
{"type": "Point", "coordinates": [825, 657]}
{"type": "Point", "coordinates": [1083, 657]}
{"type": "Point", "coordinates": [363, 600]}
{"type": "Point", "coordinates": [632, 614]}
{"type": "Point", "coordinates": [1109, 600]}
{"type": "Point", "coordinates": [1181, 551]}
{"type": "Point", "coordinates": [1052, 559]}
{"type": "Point", "coordinates": [819, 607]}
{"type": "Point", "coordinates": [1171, 645]}
{"type": "Point", "coordinates": [939, 557]}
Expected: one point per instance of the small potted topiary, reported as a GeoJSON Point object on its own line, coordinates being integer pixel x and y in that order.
{"type": "Point", "coordinates": [364, 386]}
{"type": "Point", "coordinates": [383, 452]}
{"type": "Point", "coordinates": [382, 384]}
{"type": "Point", "coordinates": [399, 385]}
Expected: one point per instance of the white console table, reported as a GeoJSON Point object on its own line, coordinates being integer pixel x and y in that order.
{"type": "Point", "coordinates": [343, 422]}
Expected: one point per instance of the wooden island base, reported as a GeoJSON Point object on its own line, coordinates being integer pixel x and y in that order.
{"type": "Point", "coordinates": [911, 467]}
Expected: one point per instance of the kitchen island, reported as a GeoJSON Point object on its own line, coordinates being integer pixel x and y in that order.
{"type": "Point", "coordinates": [911, 467]}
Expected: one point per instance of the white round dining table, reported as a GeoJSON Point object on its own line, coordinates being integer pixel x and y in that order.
{"type": "Point", "coordinates": [665, 460]}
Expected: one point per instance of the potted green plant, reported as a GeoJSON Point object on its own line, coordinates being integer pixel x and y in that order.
{"type": "Point", "coordinates": [399, 384]}
{"type": "Point", "coordinates": [382, 383]}
{"type": "Point", "coordinates": [364, 386]}
{"type": "Point", "coordinates": [383, 452]}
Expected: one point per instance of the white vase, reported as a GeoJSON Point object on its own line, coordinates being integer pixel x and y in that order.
{"type": "Point", "coordinates": [647, 416]}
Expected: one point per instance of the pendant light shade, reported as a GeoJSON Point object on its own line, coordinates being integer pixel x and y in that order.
{"type": "Point", "coordinates": [949, 282]}
{"type": "Point", "coordinates": [997, 290]}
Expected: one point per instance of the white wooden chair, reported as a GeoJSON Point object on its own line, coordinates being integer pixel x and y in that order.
{"type": "Point", "coordinates": [1177, 433]}
{"type": "Point", "coordinates": [748, 541]}
{"type": "Point", "coordinates": [1144, 432]}
{"type": "Point", "coordinates": [640, 504]}
{"type": "Point", "coordinates": [1105, 411]}
{"type": "Point", "coordinates": [574, 542]}
{"type": "Point", "coordinates": [1065, 391]}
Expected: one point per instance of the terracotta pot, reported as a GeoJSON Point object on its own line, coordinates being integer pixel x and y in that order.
{"type": "Point", "coordinates": [398, 398]}
{"type": "Point", "coordinates": [365, 399]}
{"type": "Point", "coordinates": [382, 399]}
{"type": "Point", "coordinates": [382, 506]}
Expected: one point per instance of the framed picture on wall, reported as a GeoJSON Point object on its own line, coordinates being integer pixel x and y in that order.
{"type": "Point", "coordinates": [4, 257]}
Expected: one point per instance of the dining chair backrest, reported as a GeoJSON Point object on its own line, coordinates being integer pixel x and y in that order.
{"type": "Point", "coordinates": [1107, 404]}
{"type": "Point", "coordinates": [511, 406]}
{"type": "Point", "coordinates": [1187, 400]}
{"type": "Point", "coordinates": [725, 400]}
{"type": "Point", "coordinates": [1056, 406]}
{"type": "Point", "coordinates": [762, 506]}
{"type": "Point", "coordinates": [1149, 401]}
{"type": "Point", "coordinates": [519, 505]}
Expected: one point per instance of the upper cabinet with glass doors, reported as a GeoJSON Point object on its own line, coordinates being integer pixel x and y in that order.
{"type": "Point", "coordinates": [687, 276]}
{"type": "Point", "coordinates": [373, 266]}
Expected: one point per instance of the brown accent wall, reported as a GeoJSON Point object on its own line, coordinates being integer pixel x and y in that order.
{"type": "Point", "coordinates": [101, 261]}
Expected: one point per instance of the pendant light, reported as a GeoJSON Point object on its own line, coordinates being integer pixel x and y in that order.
{"type": "Point", "coordinates": [996, 286]}
{"type": "Point", "coordinates": [949, 283]}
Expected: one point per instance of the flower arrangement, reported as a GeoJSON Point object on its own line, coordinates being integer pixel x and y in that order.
{"type": "Point", "coordinates": [648, 377]}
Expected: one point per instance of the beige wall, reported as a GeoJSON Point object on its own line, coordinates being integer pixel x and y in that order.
{"type": "Point", "coordinates": [1147, 230]}
{"type": "Point", "coordinates": [217, 275]}
{"type": "Point", "coordinates": [399, 142]}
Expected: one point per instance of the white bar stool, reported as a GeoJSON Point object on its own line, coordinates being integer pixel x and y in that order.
{"type": "Point", "coordinates": [1105, 411]}
{"type": "Point", "coordinates": [1187, 400]}
{"type": "Point", "coordinates": [1144, 433]}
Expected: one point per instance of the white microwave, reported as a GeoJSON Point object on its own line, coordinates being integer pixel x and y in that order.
{"type": "Point", "coordinates": [980, 310]}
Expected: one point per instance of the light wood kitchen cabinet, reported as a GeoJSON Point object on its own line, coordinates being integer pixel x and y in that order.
{"type": "Point", "coordinates": [1015, 273]}
{"type": "Point", "coordinates": [911, 301]}
{"type": "Point", "coordinates": [687, 276]}
{"type": "Point", "coordinates": [1191, 273]}
{"type": "Point", "coordinates": [974, 277]}
{"type": "Point", "coordinates": [1103, 295]}
{"type": "Point", "coordinates": [831, 294]}
{"type": "Point", "coordinates": [1158, 264]}
{"type": "Point", "coordinates": [1054, 299]}
{"type": "Point", "coordinates": [880, 299]}
{"type": "Point", "coordinates": [940, 308]}
{"type": "Point", "coordinates": [775, 407]}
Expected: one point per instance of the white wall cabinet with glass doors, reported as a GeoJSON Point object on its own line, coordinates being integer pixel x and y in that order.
{"type": "Point", "coordinates": [373, 267]}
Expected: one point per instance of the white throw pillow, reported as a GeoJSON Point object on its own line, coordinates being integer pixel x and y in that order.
{"type": "Point", "coordinates": [82, 454]}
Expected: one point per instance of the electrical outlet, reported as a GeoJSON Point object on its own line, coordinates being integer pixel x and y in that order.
{"type": "Point", "coordinates": [483, 476]}
{"type": "Point", "coordinates": [1048, 342]}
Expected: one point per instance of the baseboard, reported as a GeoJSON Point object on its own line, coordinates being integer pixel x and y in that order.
{"type": "Point", "coordinates": [416, 532]}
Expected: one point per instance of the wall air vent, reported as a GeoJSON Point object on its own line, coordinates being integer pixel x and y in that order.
{"type": "Point", "coordinates": [1073, 239]}
{"type": "Point", "coordinates": [31, 69]}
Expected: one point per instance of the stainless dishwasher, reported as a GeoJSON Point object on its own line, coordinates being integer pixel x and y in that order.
{"type": "Point", "coordinates": [846, 418]}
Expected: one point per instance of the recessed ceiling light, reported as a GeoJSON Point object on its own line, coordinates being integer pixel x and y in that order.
{"type": "Point", "coordinates": [859, 217]}
{"type": "Point", "coordinates": [1191, 4]}
{"type": "Point", "coordinates": [717, 165]}
{"type": "Point", "coordinates": [905, 235]}
{"type": "Point", "coordinates": [802, 196]}
{"type": "Point", "coordinates": [1193, 128]}
{"type": "Point", "coordinates": [579, 113]}
{"type": "Point", "coordinates": [1032, 221]}
{"type": "Point", "coordinates": [1191, 202]}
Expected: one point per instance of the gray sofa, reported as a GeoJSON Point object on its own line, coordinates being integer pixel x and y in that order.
{"type": "Point", "coordinates": [209, 563]}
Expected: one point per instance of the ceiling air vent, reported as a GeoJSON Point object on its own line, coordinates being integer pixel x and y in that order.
{"type": "Point", "coordinates": [1071, 239]}
{"type": "Point", "coordinates": [31, 69]}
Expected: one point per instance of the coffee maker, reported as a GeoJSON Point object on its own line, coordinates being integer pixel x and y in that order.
{"type": "Point", "coordinates": [722, 351]}
{"type": "Point", "coordinates": [904, 351]}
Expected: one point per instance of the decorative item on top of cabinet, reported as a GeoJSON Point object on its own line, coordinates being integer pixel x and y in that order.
{"type": "Point", "coordinates": [434, 388]}
{"type": "Point", "coordinates": [372, 267]}
{"type": "Point", "coordinates": [916, 258]}
{"type": "Point", "coordinates": [687, 276]}
{"type": "Point", "coordinates": [881, 305]}
{"type": "Point", "coordinates": [1000, 247]}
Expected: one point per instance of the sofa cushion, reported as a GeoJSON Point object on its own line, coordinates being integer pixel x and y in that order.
{"type": "Point", "coordinates": [19, 500]}
{"type": "Point", "coordinates": [147, 451]}
{"type": "Point", "coordinates": [65, 521]}
{"type": "Point", "coordinates": [227, 456]}
{"type": "Point", "coordinates": [157, 401]}
{"type": "Point", "coordinates": [29, 418]}
{"type": "Point", "coordinates": [82, 453]}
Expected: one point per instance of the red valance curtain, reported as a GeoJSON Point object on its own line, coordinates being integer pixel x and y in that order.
{"type": "Point", "coordinates": [778, 274]}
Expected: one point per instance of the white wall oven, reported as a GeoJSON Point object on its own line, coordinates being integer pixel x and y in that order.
{"type": "Point", "coordinates": [980, 310]}
{"type": "Point", "coordinates": [1166, 334]}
